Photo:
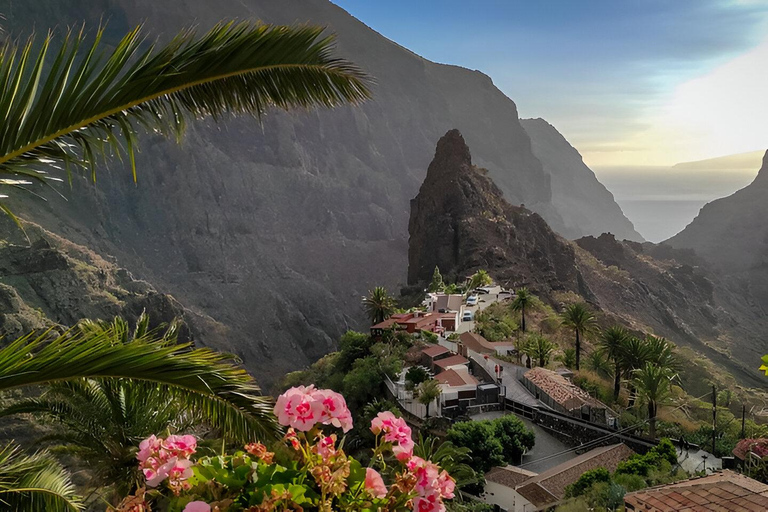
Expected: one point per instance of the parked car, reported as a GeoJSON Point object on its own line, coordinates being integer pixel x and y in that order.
{"type": "Point", "coordinates": [467, 317]}
{"type": "Point", "coordinates": [472, 300]}
{"type": "Point", "coordinates": [480, 291]}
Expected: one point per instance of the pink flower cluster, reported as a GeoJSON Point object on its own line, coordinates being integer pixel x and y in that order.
{"type": "Point", "coordinates": [432, 485]}
{"type": "Point", "coordinates": [303, 407]}
{"type": "Point", "coordinates": [167, 458]}
{"type": "Point", "coordinates": [396, 431]}
{"type": "Point", "coordinates": [374, 484]}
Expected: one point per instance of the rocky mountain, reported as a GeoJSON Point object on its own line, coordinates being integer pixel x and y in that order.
{"type": "Point", "coordinates": [587, 207]}
{"type": "Point", "coordinates": [276, 229]}
{"type": "Point", "coordinates": [461, 222]}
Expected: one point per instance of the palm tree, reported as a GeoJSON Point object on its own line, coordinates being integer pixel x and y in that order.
{"type": "Point", "coordinates": [662, 353]}
{"type": "Point", "coordinates": [379, 305]}
{"type": "Point", "coordinates": [634, 355]}
{"type": "Point", "coordinates": [653, 384]}
{"type": "Point", "coordinates": [597, 363]}
{"type": "Point", "coordinates": [453, 459]}
{"type": "Point", "coordinates": [524, 300]}
{"type": "Point", "coordinates": [69, 106]}
{"type": "Point", "coordinates": [580, 318]}
{"type": "Point", "coordinates": [208, 380]}
{"type": "Point", "coordinates": [427, 392]}
{"type": "Point", "coordinates": [612, 343]}
{"type": "Point", "coordinates": [102, 421]}
{"type": "Point", "coordinates": [540, 348]}
{"type": "Point", "coordinates": [478, 279]}
{"type": "Point", "coordinates": [35, 482]}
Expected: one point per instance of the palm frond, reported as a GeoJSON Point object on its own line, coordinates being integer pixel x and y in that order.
{"type": "Point", "coordinates": [65, 107]}
{"type": "Point", "coordinates": [222, 388]}
{"type": "Point", "coordinates": [34, 482]}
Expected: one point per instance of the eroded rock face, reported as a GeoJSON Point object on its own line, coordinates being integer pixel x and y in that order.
{"type": "Point", "coordinates": [460, 223]}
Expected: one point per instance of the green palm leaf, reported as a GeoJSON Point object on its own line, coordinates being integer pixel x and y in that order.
{"type": "Point", "coordinates": [68, 106]}
{"type": "Point", "coordinates": [207, 380]}
{"type": "Point", "coordinates": [34, 482]}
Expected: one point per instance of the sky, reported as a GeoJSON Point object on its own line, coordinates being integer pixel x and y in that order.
{"type": "Point", "coordinates": [629, 83]}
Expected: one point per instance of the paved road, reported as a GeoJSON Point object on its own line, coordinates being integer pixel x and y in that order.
{"type": "Point", "coordinates": [484, 300]}
{"type": "Point", "coordinates": [510, 378]}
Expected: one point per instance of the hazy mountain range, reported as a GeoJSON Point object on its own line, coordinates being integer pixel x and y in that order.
{"type": "Point", "coordinates": [275, 230]}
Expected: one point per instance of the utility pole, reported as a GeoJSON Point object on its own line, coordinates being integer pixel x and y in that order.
{"type": "Point", "coordinates": [714, 417]}
{"type": "Point", "coordinates": [743, 421]}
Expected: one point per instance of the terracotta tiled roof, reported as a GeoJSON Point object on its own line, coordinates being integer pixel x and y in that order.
{"type": "Point", "coordinates": [456, 378]}
{"type": "Point", "coordinates": [561, 390]}
{"type": "Point", "coordinates": [435, 350]}
{"type": "Point", "coordinates": [549, 486]}
{"type": "Point", "coordinates": [509, 476]}
{"type": "Point", "coordinates": [474, 341]}
{"type": "Point", "coordinates": [722, 491]}
{"type": "Point", "coordinates": [451, 361]}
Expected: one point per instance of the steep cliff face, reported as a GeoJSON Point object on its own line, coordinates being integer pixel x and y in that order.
{"type": "Point", "coordinates": [587, 207]}
{"type": "Point", "coordinates": [460, 222]}
{"type": "Point", "coordinates": [731, 232]}
{"type": "Point", "coordinates": [49, 280]}
{"type": "Point", "coordinates": [276, 229]}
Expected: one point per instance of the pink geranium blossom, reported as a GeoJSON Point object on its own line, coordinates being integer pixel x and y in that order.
{"type": "Point", "coordinates": [297, 408]}
{"type": "Point", "coordinates": [197, 506]}
{"type": "Point", "coordinates": [396, 431]}
{"type": "Point", "coordinates": [181, 446]}
{"type": "Point", "coordinates": [428, 503]}
{"type": "Point", "coordinates": [333, 409]}
{"type": "Point", "coordinates": [374, 484]}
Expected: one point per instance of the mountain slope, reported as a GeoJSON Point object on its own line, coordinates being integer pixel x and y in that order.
{"type": "Point", "coordinates": [731, 233]}
{"type": "Point", "coordinates": [586, 205]}
{"type": "Point", "coordinates": [460, 222]}
{"type": "Point", "coordinates": [276, 229]}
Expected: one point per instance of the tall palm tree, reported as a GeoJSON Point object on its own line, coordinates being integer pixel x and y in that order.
{"type": "Point", "coordinates": [540, 348]}
{"type": "Point", "coordinates": [524, 300]}
{"type": "Point", "coordinates": [634, 356]}
{"type": "Point", "coordinates": [68, 106]}
{"type": "Point", "coordinates": [598, 363]}
{"type": "Point", "coordinates": [612, 343]}
{"type": "Point", "coordinates": [580, 318]}
{"type": "Point", "coordinates": [379, 305]}
{"type": "Point", "coordinates": [653, 384]}
{"type": "Point", "coordinates": [427, 392]}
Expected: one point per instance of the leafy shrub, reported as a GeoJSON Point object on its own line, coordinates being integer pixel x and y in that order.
{"type": "Point", "coordinates": [416, 375]}
{"type": "Point", "coordinates": [586, 480]}
{"type": "Point", "coordinates": [514, 436]}
{"type": "Point", "coordinates": [479, 436]}
{"type": "Point", "coordinates": [630, 483]}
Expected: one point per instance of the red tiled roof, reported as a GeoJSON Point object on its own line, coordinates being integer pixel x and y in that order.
{"type": "Point", "coordinates": [549, 486]}
{"type": "Point", "coordinates": [434, 350]}
{"type": "Point", "coordinates": [474, 341]}
{"type": "Point", "coordinates": [454, 378]}
{"type": "Point", "coordinates": [561, 390]}
{"type": "Point", "coordinates": [722, 491]}
{"type": "Point", "coordinates": [451, 361]}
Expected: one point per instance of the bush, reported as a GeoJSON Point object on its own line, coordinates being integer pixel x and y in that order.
{"type": "Point", "coordinates": [630, 483]}
{"type": "Point", "coordinates": [586, 480]}
{"type": "Point", "coordinates": [478, 436]}
{"type": "Point", "coordinates": [514, 436]}
{"type": "Point", "coordinates": [416, 375]}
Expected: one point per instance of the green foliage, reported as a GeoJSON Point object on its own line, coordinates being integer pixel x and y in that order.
{"type": "Point", "coordinates": [479, 279]}
{"type": "Point", "coordinates": [35, 482]}
{"type": "Point", "coordinates": [515, 437]}
{"type": "Point", "coordinates": [379, 305]}
{"type": "Point", "coordinates": [493, 442]}
{"type": "Point", "coordinates": [427, 392]}
{"type": "Point", "coordinates": [416, 375]}
{"type": "Point", "coordinates": [539, 349]}
{"type": "Point", "coordinates": [429, 337]}
{"type": "Point", "coordinates": [568, 358]}
{"type": "Point", "coordinates": [524, 301]}
{"type": "Point", "coordinates": [579, 318]}
{"type": "Point", "coordinates": [352, 346]}
{"type": "Point", "coordinates": [454, 459]}
{"type": "Point", "coordinates": [437, 284]}
{"type": "Point", "coordinates": [65, 107]}
{"type": "Point", "coordinates": [586, 480]}
{"type": "Point", "coordinates": [495, 323]}
{"type": "Point", "coordinates": [643, 464]}
{"type": "Point", "coordinates": [596, 362]}
{"type": "Point", "coordinates": [654, 385]}
{"type": "Point", "coordinates": [479, 437]}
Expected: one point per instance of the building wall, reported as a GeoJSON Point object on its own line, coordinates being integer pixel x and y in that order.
{"type": "Point", "coordinates": [506, 498]}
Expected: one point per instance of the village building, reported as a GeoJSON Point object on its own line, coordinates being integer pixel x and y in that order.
{"type": "Point", "coordinates": [511, 492]}
{"type": "Point", "coordinates": [454, 361]}
{"type": "Point", "coordinates": [434, 353]}
{"type": "Point", "coordinates": [562, 395]}
{"type": "Point", "coordinates": [722, 491]}
{"type": "Point", "coordinates": [474, 342]}
{"type": "Point", "coordinates": [415, 322]}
